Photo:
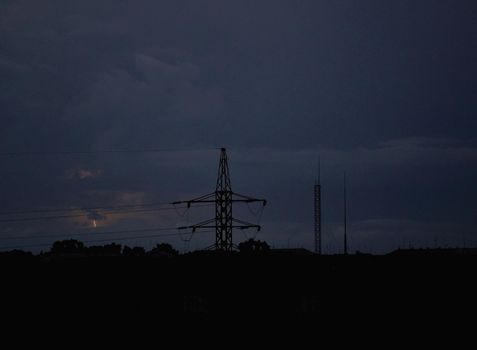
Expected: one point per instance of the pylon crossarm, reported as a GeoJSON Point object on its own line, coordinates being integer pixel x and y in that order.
{"type": "Point", "coordinates": [208, 198]}
{"type": "Point", "coordinates": [247, 199]}
{"type": "Point", "coordinates": [203, 224]}
{"type": "Point", "coordinates": [245, 225]}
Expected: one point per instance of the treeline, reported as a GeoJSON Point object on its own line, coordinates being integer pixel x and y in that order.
{"type": "Point", "coordinates": [72, 248]}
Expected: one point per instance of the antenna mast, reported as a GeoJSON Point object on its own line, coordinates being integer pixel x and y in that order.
{"type": "Point", "coordinates": [317, 212]}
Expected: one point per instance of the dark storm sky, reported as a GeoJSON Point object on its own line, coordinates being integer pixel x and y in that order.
{"type": "Point", "coordinates": [385, 90]}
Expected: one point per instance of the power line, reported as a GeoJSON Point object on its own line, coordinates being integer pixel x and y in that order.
{"type": "Point", "coordinates": [54, 210]}
{"type": "Point", "coordinates": [90, 233]}
{"type": "Point", "coordinates": [83, 152]}
{"type": "Point", "coordinates": [58, 217]}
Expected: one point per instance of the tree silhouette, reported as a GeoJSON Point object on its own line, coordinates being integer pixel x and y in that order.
{"type": "Point", "coordinates": [253, 246]}
{"type": "Point", "coordinates": [70, 246]}
{"type": "Point", "coordinates": [136, 251]}
{"type": "Point", "coordinates": [112, 249]}
{"type": "Point", "coordinates": [163, 249]}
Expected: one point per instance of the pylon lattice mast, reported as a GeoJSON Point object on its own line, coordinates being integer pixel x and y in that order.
{"type": "Point", "coordinates": [318, 238]}
{"type": "Point", "coordinates": [223, 197]}
{"type": "Point", "coordinates": [317, 211]}
{"type": "Point", "coordinates": [345, 218]}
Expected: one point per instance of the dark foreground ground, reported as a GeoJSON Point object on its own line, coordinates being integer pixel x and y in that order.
{"type": "Point", "coordinates": [208, 284]}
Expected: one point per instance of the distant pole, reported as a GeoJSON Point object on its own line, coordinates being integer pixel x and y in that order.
{"type": "Point", "coordinates": [317, 213]}
{"type": "Point", "coordinates": [345, 218]}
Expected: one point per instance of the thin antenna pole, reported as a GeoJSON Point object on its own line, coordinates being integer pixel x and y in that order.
{"type": "Point", "coordinates": [320, 209]}
{"type": "Point", "coordinates": [317, 213]}
{"type": "Point", "coordinates": [319, 170]}
{"type": "Point", "coordinates": [345, 218]}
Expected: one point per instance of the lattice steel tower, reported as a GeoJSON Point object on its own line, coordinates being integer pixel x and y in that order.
{"type": "Point", "coordinates": [223, 197]}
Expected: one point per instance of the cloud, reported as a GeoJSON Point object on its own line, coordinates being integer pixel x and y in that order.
{"type": "Point", "coordinates": [277, 83]}
{"type": "Point", "coordinates": [8, 66]}
{"type": "Point", "coordinates": [83, 174]}
{"type": "Point", "coordinates": [133, 215]}
{"type": "Point", "coordinates": [406, 152]}
{"type": "Point", "coordinates": [152, 103]}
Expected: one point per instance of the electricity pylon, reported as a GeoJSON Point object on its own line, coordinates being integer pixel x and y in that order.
{"type": "Point", "coordinates": [223, 197]}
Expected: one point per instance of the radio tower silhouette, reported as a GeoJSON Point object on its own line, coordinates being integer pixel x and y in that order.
{"type": "Point", "coordinates": [345, 217]}
{"type": "Point", "coordinates": [223, 197]}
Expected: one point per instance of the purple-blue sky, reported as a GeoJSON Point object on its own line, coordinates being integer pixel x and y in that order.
{"type": "Point", "coordinates": [383, 90]}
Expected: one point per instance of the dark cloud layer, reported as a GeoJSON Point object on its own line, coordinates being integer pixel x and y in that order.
{"type": "Point", "coordinates": [386, 91]}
